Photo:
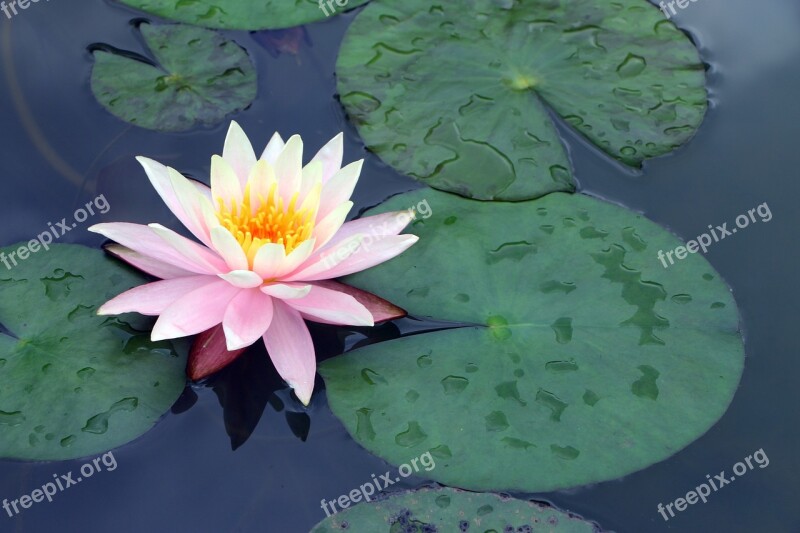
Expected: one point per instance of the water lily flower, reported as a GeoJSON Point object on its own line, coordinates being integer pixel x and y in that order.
{"type": "Point", "coordinates": [272, 235]}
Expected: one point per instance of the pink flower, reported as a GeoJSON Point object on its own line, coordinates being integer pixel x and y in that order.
{"type": "Point", "coordinates": [272, 231]}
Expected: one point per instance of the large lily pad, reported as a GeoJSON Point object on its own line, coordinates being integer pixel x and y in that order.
{"type": "Point", "coordinates": [72, 383]}
{"type": "Point", "coordinates": [445, 510]}
{"type": "Point", "coordinates": [588, 359]}
{"type": "Point", "coordinates": [241, 15]}
{"type": "Point", "coordinates": [196, 78]}
{"type": "Point", "coordinates": [457, 94]}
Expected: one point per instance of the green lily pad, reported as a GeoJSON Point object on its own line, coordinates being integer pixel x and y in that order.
{"type": "Point", "coordinates": [72, 383]}
{"type": "Point", "coordinates": [447, 510]}
{"type": "Point", "coordinates": [237, 15]}
{"type": "Point", "coordinates": [584, 358]}
{"type": "Point", "coordinates": [457, 94]}
{"type": "Point", "coordinates": [196, 77]}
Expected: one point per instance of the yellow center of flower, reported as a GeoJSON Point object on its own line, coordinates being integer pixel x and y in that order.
{"type": "Point", "coordinates": [270, 222]}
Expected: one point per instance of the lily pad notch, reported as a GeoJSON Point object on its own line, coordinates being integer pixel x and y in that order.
{"type": "Point", "coordinates": [457, 95]}
{"type": "Point", "coordinates": [195, 77]}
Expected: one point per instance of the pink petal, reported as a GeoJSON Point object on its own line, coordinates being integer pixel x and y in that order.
{"type": "Point", "coordinates": [312, 175]}
{"type": "Point", "coordinates": [272, 266]}
{"type": "Point", "coordinates": [318, 263]}
{"type": "Point", "coordinates": [151, 266]}
{"type": "Point", "coordinates": [268, 260]}
{"type": "Point", "coordinates": [367, 256]}
{"type": "Point", "coordinates": [173, 187]}
{"type": "Point", "coordinates": [243, 279]}
{"type": "Point", "coordinates": [372, 227]}
{"type": "Point", "coordinates": [196, 311]}
{"type": "Point", "coordinates": [380, 309]}
{"type": "Point", "coordinates": [229, 248]}
{"type": "Point", "coordinates": [143, 240]}
{"type": "Point", "coordinates": [151, 299]}
{"type": "Point", "coordinates": [331, 224]}
{"type": "Point", "coordinates": [203, 189]}
{"type": "Point", "coordinates": [225, 186]}
{"type": "Point", "coordinates": [199, 255]}
{"type": "Point", "coordinates": [273, 149]}
{"type": "Point", "coordinates": [289, 168]}
{"type": "Point", "coordinates": [291, 350]}
{"type": "Point", "coordinates": [332, 307]}
{"type": "Point", "coordinates": [286, 291]}
{"type": "Point", "coordinates": [209, 354]}
{"type": "Point", "coordinates": [339, 188]}
{"type": "Point", "coordinates": [331, 157]}
{"type": "Point", "coordinates": [247, 318]}
{"type": "Point", "coordinates": [238, 152]}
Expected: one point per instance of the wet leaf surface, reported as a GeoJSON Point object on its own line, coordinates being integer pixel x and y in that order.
{"type": "Point", "coordinates": [588, 360]}
{"type": "Point", "coordinates": [457, 94]}
{"type": "Point", "coordinates": [196, 77]}
{"type": "Point", "coordinates": [72, 383]}
{"type": "Point", "coordinates": [449, 510]}
{"type": "Point", "coordinates": [238, 15]}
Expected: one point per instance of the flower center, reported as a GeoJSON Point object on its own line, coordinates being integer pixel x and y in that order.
{"type": "Point", "coordinates": [270, 222]}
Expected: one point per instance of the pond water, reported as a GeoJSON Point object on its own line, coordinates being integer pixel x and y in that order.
{"type": "Point", "coordinates": [59, 149]}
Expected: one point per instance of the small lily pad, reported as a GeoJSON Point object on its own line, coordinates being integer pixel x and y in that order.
{"type": "Point", "coordinates": [458, 94]}
{"type": "Point", "coordinates": [196, 77]}
{"type": "Point", "coordinates": [445, 510]}
{"type": "Point", "coordinates": [575, 364]}
{"type": "Point", "coordinates": [72, 383]}
{"type": "Point", "coordinates": [240, 15]}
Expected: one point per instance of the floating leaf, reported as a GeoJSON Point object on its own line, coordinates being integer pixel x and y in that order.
{"type": "Point", "coordinates": [196, 77]}
{"type": "Point", "coordinates": [237, 15]}
{"type": "Point", "coordinates": [457, 94]}
{"type": "Point", "coordinates": [577, 366]}
{"type": "Point", "coordinates": [447, 510]}
{"type": "Point", "coordinates": [72, 383]}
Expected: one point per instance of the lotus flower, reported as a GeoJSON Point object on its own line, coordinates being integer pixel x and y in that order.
{"type": "Point", "coordinates": [271, 232]}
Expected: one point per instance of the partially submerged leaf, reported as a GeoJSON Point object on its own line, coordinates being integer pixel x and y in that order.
{"type": "Point", "coordinates": [240, 15]}
{"type": "Point", "coordinates": [457, 95]}
{"type": "Point", "coordinates": [196, 78]}
{"type": "Point", "coordinates": [72, 383]}
{"type": "Point", "coordinates": [447, 510]}
{"type": "Point", "coordinates": [589, 360]}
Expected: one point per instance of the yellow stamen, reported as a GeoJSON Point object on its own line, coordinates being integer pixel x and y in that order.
{"type": "Point", "coordinates": [272, 222]}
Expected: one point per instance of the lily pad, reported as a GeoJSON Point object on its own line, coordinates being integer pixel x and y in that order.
{"type": "Point", "coordinates": [72, 383]}
{"type": "Point", "coordinates": [196, 77]}
{"type": "Point", "coordinates": [237, 15]}
{"type": "Point", "coordinates": [582, 358]}
{"type": "Point", "coordinates": [446, 510]}
{"type": "Point", "coordinates": [457, 94]}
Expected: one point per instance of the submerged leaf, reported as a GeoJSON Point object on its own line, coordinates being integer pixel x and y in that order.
{"type": "Point", "coordinates": [584, 365]}
{"type": "Point", "coordinates": [239, 15]}
{"type": "Point", "coordinates": [449, 510]}
{"type": "Point", "coordinates": [197, 78]}
{"type": "Point", "coordinates": [72, 383]}
{"type": "Point", "coordinates": [457, 95]}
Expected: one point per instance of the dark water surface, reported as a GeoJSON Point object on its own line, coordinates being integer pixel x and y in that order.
{"type": "Point", "coordinates": [59, 149]}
